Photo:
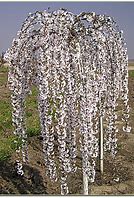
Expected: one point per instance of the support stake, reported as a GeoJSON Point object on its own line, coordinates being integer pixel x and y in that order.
{"type": "Point", "coordinates": [101, 145]}
{"type": "Point", "coordinates": [85, 184]}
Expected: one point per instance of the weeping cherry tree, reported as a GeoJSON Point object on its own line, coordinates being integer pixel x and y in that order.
{"type": "Point", "coordinates": [79, 65]}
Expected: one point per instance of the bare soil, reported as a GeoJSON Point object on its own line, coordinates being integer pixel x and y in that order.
{"type": "Point", "coordinates": [131, 67]}
{"type": "Point", "coordinates": [118, 178]}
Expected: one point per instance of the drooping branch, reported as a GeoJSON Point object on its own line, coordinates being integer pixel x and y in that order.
{"type": "Point", "coordinates": [79, 65]}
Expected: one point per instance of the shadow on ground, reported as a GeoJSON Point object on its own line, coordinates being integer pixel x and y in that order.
{"type": "Point", "coordinates": [31, 183]}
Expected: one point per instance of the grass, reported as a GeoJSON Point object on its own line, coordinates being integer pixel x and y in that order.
{"type": "Point", "coordinates": [32, 116]}
{"type": "Point", "coordinates": [131, 73]}
{"type": "Point", "coordinates": [7, 146]}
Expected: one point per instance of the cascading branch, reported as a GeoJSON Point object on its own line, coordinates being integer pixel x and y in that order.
{"type": "Point", "coordinates": [79, 65]}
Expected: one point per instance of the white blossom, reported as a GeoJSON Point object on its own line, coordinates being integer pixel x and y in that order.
{"type": "Point", "coordinates": [80, 71]}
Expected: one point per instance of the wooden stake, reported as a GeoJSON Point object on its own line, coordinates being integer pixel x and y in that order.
{"type": "Point", "coordinates": [85, 184]}
{"type": "Point", "coordinates": [101, 145]}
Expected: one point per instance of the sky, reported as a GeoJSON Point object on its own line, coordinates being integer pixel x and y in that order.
{"type": "Point", "coordinates": [12, 15]}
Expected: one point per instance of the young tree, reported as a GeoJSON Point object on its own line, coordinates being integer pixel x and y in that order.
{"type": "Point", "coordinates": [79, 65]}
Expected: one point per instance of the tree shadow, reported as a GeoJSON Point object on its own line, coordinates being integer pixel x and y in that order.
{"type": "Point", "coordinates": [11, 183]}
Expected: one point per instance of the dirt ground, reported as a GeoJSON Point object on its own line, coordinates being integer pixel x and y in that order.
{"type": "Point", "coordinates": [131, 67]}
{"type": "Point", "coordinates": [118, 178]}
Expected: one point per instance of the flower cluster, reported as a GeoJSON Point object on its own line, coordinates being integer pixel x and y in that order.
{"type": "Point", "coordinates": [79, 65]}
